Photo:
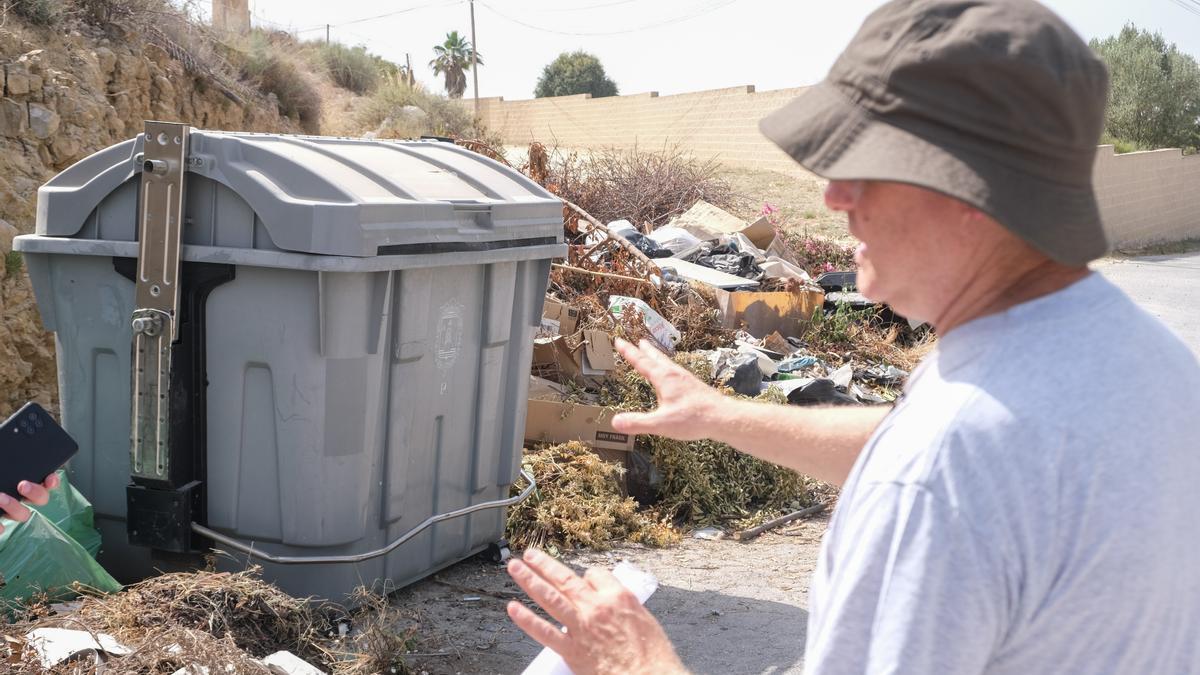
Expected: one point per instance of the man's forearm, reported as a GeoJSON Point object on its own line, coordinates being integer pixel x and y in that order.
{"type": "Point", "coordinates": [818, 442]}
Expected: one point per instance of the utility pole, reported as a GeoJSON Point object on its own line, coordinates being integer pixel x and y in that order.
{"type": "Point", "coordinates": [326, 33]}
{"type": "Point", "coordinates": [474, 63]}
{"type": "Point", "coordinates": [409, 77]}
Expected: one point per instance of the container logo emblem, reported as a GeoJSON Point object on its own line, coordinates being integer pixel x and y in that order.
{"type": "Point", "coordinates": [449, 335]}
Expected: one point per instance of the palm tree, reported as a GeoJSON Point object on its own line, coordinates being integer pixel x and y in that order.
{"type": "Point", "coordinates": [453, 60]}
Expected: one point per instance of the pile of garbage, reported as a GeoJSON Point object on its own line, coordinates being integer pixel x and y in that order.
{"type": "Point", "coordinates": [204, 622]}
{"type": "Point", "coordinates": [729, 300]}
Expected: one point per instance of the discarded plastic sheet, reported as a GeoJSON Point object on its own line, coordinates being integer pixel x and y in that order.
{"type": "Point", "coordinates": [741, 373]}
{"type": "Point", "coordinates": [47, 552]}
{"type": "Point", "coordinates": [664, 333]}
{"type": "Point", "coordinates": [641, 584]}
{"type": "Point", "coordinates": [674, 239]}
{"type": "Point", "coordinates": [842, 377]}
{"type": "Point", "coordinates": [778, 268]}
{"type": "Point", "coordinates": [886, 375]}
{"type": "Point", "coordinates": [56, 645]}
{"type": "Point", "coordinates": [705, 275]}
{"type": "Point", "coordinates": [648, 246]}
{"type": "Point", "coordinates": [865, 396]}
{"type": "Point", "coordinates": [732, 254]}
{"type": "Point", "coordinates": [766, 363]}
{"type": "Point", "coordinates": [797, 363]}
{"type": "Point", "coordinates": [742, 244]}
{"type": "Point", "coordinates": [710, 533]}
{"type": "Point", "coordinates": [818, 391]}
{"type": "Point", "coordinates": [738, 264]}
{"type": "Point", "coordinates": [291, 664]}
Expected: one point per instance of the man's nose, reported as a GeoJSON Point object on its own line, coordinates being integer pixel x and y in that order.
{"type": "Point", "coordinates": [843, 195]}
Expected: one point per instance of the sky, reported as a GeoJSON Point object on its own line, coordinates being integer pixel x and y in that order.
{"type": "Point", "coordinates": [667, 46]}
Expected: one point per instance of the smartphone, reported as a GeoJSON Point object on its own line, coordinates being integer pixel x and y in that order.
{"type": "Point", "coordinates": [32, 446]}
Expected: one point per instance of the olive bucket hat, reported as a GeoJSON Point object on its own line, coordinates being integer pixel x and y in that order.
{"type": "Point", "coordinates": [997, 103]}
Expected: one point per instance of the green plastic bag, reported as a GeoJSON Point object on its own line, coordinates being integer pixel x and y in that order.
{"type": "Point", "coordinates": [53, 549]}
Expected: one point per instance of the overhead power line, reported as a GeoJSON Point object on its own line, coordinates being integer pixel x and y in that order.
{"type": "Point", "coordinates": [560, 8]}
{"type": "Point", "coordinates": [710, 7]}
{"type": "Point", "coordinates": [1192, 6]}
{"type": "Point", "coordinates": [443, 3]}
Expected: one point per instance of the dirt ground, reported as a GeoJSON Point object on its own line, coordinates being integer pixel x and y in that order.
{"type": "Point", "coordinates": [729, 607]}
{"type": "Point", "coordinates": [798, 197]}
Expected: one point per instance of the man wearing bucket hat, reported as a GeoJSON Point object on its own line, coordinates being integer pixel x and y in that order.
{"type": "Point", "coordinates": [1030, 504]}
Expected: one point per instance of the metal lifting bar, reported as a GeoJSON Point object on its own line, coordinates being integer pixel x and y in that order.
{"type": "Point", "coordinates": [249, 549]}
{"type": "Point", "coordinates": [156, 320]}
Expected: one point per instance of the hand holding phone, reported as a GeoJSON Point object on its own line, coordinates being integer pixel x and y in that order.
{"type": "Point", "coordinates": [32, 448]}
{"type": "Point", "coordinates": [35, 493]}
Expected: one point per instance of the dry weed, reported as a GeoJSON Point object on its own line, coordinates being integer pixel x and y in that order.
{"type": "Point", "coordinates": [643, 187]}
{"type": "Point", "coordinates": [578, 504]}
{"type": "Point", "coordinates": [706, 482]}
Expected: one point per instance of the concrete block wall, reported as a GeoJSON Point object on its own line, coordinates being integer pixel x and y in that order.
{"type": "Point", "coordinates": [719, 124]}
{"type": "Point", "coordinates": [1148, 197]}
{"type": "Point", "coordinates": [1145, 197]}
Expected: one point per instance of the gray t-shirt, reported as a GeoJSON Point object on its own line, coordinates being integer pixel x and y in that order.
{"type": "Point", "coordinates": [1032, 505]}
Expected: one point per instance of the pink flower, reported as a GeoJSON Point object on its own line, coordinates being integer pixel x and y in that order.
{"type": "Point", "coordinates": [827, 267]}
{"type": "Point", "coordinates": [768, 209]}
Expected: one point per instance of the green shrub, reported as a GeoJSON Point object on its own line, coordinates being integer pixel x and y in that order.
{"type": "Point", "coordinates": [818, 254]}
{"type": "Point", "coordinates": [273, 67]}
{"type": "Point", "coordinates": [37, 12]}
{"type": "Point", "coordinates": [351, 68]}
{"type": "Point", "coordinates": [1120, 145]}
{"type": "Point", "coordinates": [13, 263]}
{"type": "Point", "coordinates": [393, 110]}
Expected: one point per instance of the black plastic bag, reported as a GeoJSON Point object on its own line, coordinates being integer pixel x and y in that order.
{"type": "Point", "coordinates": [820, 391]}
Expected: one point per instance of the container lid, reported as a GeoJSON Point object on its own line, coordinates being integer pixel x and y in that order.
{"type": "Point", "coordinates": [329, 196]}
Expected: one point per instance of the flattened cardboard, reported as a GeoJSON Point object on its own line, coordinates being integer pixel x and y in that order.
{"type": "Point", "coordinates": [706, 221]}
{"type": "Point", "coordinates": [558, 422]}
{"type": "Point", "coordinates": [599, 350]}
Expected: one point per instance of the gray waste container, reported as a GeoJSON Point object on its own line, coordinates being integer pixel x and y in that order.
{"type": "Point", "coordinates": [350, 347]}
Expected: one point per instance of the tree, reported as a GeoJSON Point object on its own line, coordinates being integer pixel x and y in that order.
{"type": "Point", "coordinates": [575, 73]}
{"type": "Point", "coordinates": [1154, 98]}
{"type": "Point", "coordinates": [452, 60]}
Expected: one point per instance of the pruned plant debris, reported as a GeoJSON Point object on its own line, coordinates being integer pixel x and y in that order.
{"type": "Point", "coordinates": [226, 622]}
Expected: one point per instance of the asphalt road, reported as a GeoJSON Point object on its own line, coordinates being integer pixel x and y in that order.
{"type": "Point", "coordinates": [1168, 286]}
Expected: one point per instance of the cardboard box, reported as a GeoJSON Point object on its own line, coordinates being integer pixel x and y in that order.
{"type": "Point", "coordinates": [560, 422]}
{"type": "Point", "coordinates": [764, 313]}
{"type": "Point", "coordinates": [595, 357]}
{"type": "Point", "coordinates": [559, 318]}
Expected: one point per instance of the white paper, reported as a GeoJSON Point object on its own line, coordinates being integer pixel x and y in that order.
{"type": "Point", "coordinates": [55, 645]}
{"type": "Point", "coordinates": [642, 584]}
{"type": "Point", "coordinates": [291, 664]}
